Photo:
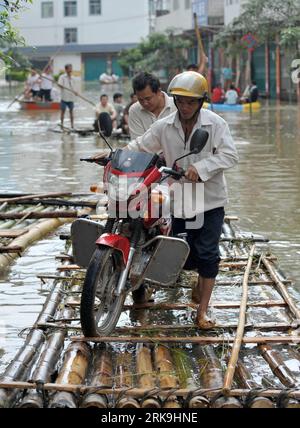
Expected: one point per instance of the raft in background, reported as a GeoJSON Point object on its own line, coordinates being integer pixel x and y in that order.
{"type": "Point", "coordinates": [39, 105]}
{"type": "Point", "coordinates": [238, 108]}
{"type": "Point", "coordinates": [154, 363]}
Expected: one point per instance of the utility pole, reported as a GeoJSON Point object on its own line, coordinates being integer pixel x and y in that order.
{"type": "Point", "coordinates": [152, 15]}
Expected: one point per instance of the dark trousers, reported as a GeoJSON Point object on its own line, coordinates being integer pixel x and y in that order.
{"type": "Point", "coordinates": [204, 242]}
{"type": "Point", "coordinates": [45, 94]}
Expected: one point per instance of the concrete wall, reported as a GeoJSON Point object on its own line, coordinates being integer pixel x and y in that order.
{"type": "Point", "coordinates": [121, 21]}
{"type": "Point", "coordinates": [181, 18]}
{"type": "Point", "coordinates": [232, 9]}
{"type": "Point", "coordinates": [61, 60]}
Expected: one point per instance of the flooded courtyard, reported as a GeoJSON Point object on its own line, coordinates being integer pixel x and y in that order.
{"type": "Point", "coordinates": [264, 190]}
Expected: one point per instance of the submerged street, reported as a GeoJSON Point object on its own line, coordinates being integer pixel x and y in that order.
{"type": "Point", "coordinates": [264, 189]}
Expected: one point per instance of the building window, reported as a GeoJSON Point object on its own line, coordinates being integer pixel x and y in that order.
{"type": "Point", "coordinates": [95, 7]}
{"type": "Point", "coordinates": [187, 4]}
{"type": "Point", "coordinates": [70, 8]}
{"type": "Point", "coordinates": [47, 9]}
{"type": "Point", "coordinates": [70, 35]}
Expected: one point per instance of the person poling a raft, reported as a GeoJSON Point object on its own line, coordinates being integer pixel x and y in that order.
{"type": "Point", "coordinates": [67, 83]}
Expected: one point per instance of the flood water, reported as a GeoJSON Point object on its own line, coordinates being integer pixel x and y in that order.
{"type": "Point", "coordinates": [264, 190]}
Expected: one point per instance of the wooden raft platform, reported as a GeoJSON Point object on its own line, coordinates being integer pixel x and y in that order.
{"type": "Point", "coordinates": [157, 357]}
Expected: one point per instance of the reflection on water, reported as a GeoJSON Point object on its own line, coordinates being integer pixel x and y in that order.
{"type": "Point", "coordinates": [264, 189]}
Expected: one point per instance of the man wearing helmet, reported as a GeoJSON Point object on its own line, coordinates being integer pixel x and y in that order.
{"type": "Point", "coordinates": [172, 135]}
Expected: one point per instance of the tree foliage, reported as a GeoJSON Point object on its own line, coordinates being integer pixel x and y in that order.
{"type": "Point", "coordinates": [266, 20]}
{"type": "Point", "coordinates": [9, 36]}
{"type": "Point", "coordinates": [160, 51]}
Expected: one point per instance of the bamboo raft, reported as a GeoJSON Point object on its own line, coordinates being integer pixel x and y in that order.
{"type": "Point", "coordinates": [157, 357]}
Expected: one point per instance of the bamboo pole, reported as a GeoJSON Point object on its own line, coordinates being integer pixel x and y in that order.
{"type": "Point", "coordinates": [124, 380]}
{"type": "Point", "coordinates": [245, 380]}
{"type": "Point", "coordinates": [170, 328]}
{"type": "Point", "coordinates": [278, 68]}
{"type": "Point", "coordinates": [219, 305]}
{"type": "Point", "coordinates": [211, 376]}
{"type": "Point", "coordinates": [166, 374]}
{"type": "Point", "coordinates": [282, 290]}
{"type": "Point", "coordinates": [228, 378]}
{"type": "Point", "coordinates": [194, 339]}
{"type": "Point", "coordinates": [59, 203]}
{"type": "Point", "coordinates": [17, 98]}
{"type": "Point", "coordinates": [42, 215]}
{"type": "Point", "coordinates": [11, 249]}
{"type": "Point", "coordinates": [277, 365]}
{"type": "Point", "coordinates": [71, 90]}
{"type": "Point", "coordinates": [146, 375]}
{"type": "Point", "coordinates": [140, 393]}
{"type": "Point", "coordinates": [15, 233]}
{"type": "Point", "coordinates": [189, 327]}
{"type": "Point", "coordinates": [244, 240]}
{"type": "Point", "coordinates": [19, 367]}
{"type": "Point", "coordinates": [201, 51]}
{"type": "Point", "coordinates": [44, 370]}
{"type": "Point", "coordinates": [73, 372]}
{"type": "Point", "coordinates": [34, 196]}
{"type": "Point", "coordinates": [9, 224]}
{"type": "Point", "coordinates": [49, 356]}
{"type": "Point", "coordinates": [25, 358]}
{"type": "Point", "coordinates": [35, 233]}
{"type": "Point", "coordinates": [102, 377]}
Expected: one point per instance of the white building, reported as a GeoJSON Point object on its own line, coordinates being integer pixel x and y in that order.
{"type": "Point", "coordinates": [87, 33]}
{"type": "Point", "coordinates": [178, 14]}
{"type": "Point", "coordinates": [233, 9]}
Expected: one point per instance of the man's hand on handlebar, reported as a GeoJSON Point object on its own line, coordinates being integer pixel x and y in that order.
{"type": "Point", "coordinates": [101, 155]}
{"type": "Point", "coordinates": [192, 174]}
{"type": "Point", "coordinates": [100, 159]}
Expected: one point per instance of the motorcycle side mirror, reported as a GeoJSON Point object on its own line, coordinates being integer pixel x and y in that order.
{"type": "Point", "coordinates": [198, 141]}
{"type": "Point", "coordinates": [105, 127]}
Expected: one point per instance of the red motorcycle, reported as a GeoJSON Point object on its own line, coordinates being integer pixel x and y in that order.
{"type": "Point", "coordinates": [134, 246]}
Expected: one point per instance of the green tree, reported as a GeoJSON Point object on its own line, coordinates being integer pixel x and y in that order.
{"type": "Point", "coordinates": [9, 36]}
{"type": "Point", "coordinates": [158, 52]}
{"type": "Point", "coordinates": [267, 20]}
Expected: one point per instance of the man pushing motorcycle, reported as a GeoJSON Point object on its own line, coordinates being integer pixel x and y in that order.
{"type": "Point", "coordinates": [172, 136]}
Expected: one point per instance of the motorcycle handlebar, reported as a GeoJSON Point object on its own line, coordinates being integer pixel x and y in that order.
{"type": "Point", "coordinates": [102, 162]}
{"type": "Point", "coordinates": [177, 175]}
{"type": "Point", "coordinates": [173, 173]}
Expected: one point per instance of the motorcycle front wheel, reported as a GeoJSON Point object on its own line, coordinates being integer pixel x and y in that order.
{"type": "Point", "coordinates": [100, 308]}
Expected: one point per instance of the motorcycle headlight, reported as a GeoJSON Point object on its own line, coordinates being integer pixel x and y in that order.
{"type": "Point", "coordinates": [121, 187]}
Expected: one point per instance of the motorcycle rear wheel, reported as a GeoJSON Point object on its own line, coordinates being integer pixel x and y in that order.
{"type": "Point", "coordinates": [100, 308]}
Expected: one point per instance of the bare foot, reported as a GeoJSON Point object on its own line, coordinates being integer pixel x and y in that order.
{"type": "Point", "coordinates": [205, 323]}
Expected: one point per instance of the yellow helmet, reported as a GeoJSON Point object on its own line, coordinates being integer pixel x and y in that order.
{"type": "Point", "coordinates": [189, 84]}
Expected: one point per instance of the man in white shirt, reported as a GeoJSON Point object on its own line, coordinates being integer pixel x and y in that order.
{"type": "Point", "coordinates": [153, 104]}
{"type": "Point", "coordinates": [67, 84]}
{"type": "Point", "coordinates": [172, 136]}
{"type": "Point", "coordinates": [33, 85]}
{"type": "Point", "coordinates": [231, 96]}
